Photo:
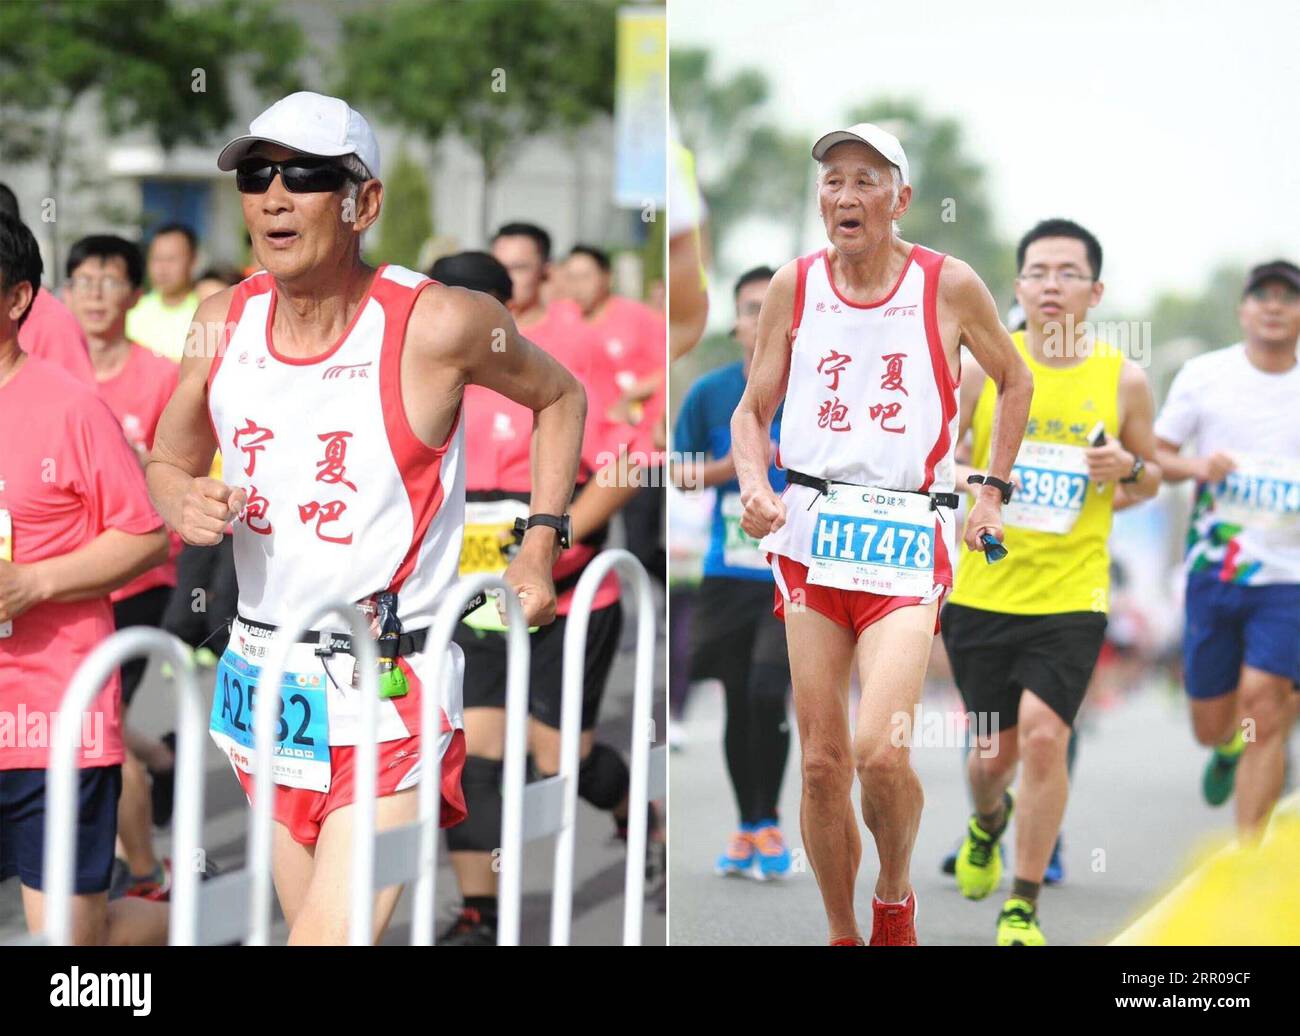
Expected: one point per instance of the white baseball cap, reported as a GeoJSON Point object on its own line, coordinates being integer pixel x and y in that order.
{"type": "Point", "coordinates": [874, 137]}
{"type": "Point", "coordinates": [311, 123]}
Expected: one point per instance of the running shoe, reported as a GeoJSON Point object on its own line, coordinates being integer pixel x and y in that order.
{"type": "Point", "coordinates": [656, 849]}
{"type": "Point", "coordinates": [468, 929]}
{"type": "Point", "coordinates": [205, 658]}
{"type": "Point", "coordinates": [1055, 873]}
{"type": "Point", "coordinates": [155, 887]}
{"type": "Point", "coordinates": [949, 865]}
{"type": "Point", "coordinates": [1018, 924]}
{"type": "Point", "coordinates": [1221, 771]}
{"type": "Point", "coordinates": [979, 867]}
{"type": "Point", "coordinates": [893, 924]}
{"type": "Point", "coordinates": [738, 860]}
{"type": "Point", "coordinates": [846, 942]}
{"type": "Point", "coordinates": [771, 854]}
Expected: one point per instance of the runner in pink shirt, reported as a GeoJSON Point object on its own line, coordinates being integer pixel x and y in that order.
{"type": "Point", "coordinates": [105, 273]}
{"type": "Point", "coordinates": [79, 524]}
{"type": "Point", "coordinates": [632, 336]}
{"type": "Point", "coordinates": [49, 330]}
{"type": "Point", "coordinates": [498, 436]}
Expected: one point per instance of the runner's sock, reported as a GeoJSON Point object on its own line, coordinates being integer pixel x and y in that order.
{"type": "Point", "coordinates": [1233, 747]}
{"type": "Point", "coordinates": [1026, 890]}
{"type": "Point", "coordinates": [993, 823]}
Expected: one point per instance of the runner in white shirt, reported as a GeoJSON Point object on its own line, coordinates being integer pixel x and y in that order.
{"type": "Point", "coordinates": [1237, 408]}
{"type": "Point", "coordinates": [334, 391]}
{"type": "Point", "coordinates": [862, 341]}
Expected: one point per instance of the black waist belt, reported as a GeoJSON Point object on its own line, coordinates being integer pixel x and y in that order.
{"type": "Point", "coordinates": [327, 644]}
{"type": "Point", "coordinates": [823, 484]}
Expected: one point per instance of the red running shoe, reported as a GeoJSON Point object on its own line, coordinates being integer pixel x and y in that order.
{"type": "Point", "coordinates": [894, 924]}
{"type": "Point", "coordinates": [846, 942]}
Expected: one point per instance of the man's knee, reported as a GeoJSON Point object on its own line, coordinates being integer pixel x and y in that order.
{"type": "Point", "coordinates": [880, 760]}
{"type": "Point", "coordinates": [603, 777]}
{"type": "Point", "coordinates": [1043, 742]}
{"type": "Point", "coordinates": [1265, 711]}
{"type": "Point", "coordinates": [827, 772]}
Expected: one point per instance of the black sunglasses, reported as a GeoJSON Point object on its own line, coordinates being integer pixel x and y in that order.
{"type": "Point", "coordinates": [299, 175]}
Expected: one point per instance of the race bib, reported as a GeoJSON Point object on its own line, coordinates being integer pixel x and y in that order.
{"type": "Point", "coordinates": [873, 540]}
{"type": "Point", "coordinates": [739, 549]}
{"type": "Point", "coordinates": [1263, 493]}
{"type": "Point", "coordinates": [489, 529]}
{"type": "Point", "coordinates": [1053, 487]}
{"type": "Point", "coordinates": [302, 749]}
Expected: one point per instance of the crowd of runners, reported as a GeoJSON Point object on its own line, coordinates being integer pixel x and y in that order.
{"type": "Point", "coordinates": [220, 453]}
{"type": "Point", "coordinates": [842, 449]}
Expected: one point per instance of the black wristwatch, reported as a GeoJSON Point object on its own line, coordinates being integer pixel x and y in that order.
{"type": "Point", "coordinates": [1002, 487]}
{"type": "Point", "coordinates": [1139, 466]}
{"type": "Point", "coordinates": [561, 523]}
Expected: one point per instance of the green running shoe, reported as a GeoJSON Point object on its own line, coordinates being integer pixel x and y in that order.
{"type": "Point", "coordinates": [1018, 924]}
{"type": "Point", "coordinates": [979, 866]}
{"type": "Point", "coordinates": [1221, 771]}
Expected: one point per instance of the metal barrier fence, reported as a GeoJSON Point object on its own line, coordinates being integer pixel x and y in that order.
{"type": "Point", "coordinates": [213, 912]}
{"type": "Point", "coordinates": [552, 803]}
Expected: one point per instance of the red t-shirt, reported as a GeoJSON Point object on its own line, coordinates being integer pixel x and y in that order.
{"type": "Point", "coordinates": [137, 395]}
{"type": "Point", "coordinates": [66, 475]}
{"type": "Point", "coordinates": [52, 333]}
{"type": "Point", "coordinates": [498, 434]}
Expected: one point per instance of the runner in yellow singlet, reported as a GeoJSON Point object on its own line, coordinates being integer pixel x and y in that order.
{"type": "Point", "coordinates": [1023, 635]}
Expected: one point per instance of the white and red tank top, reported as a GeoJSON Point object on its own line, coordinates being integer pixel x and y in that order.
{"type": "Point", "coordinates": [344, 500]}
{"type": "Point", "coordinates": [870, 398]}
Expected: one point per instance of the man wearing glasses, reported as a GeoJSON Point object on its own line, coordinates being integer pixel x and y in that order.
{"type": "Point", "coordinates": [1241, 647]}
{"type": "Point", "coordinates": [104, 275]}
{"type": "Point", "coordinates": [334, 391]}
{"type": "Point", "coordinates": [1023, 637]}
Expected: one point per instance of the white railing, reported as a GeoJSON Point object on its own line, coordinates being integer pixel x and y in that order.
{"type": "Point", "coordinates": [212, 912]}
{"type": "Point", "coordinates": [549, 806]}
{"type": "Point", "coordinates": [63, 779]}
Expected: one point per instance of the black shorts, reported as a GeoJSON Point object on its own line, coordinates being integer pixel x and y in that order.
{"type": "Point", "coordinates": [733, 620]}
{"type": "Point", "coordinates": [485, 666]}
{"type": "Point", "coordinates": [995, 656]}
{"type": "Point", "coordinates": [22, 827]}
{"type": "Point", "coordinates": [142, 609]}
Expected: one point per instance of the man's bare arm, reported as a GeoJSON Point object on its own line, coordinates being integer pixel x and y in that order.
{"type": "Point", "coordinates": [196, 506]}
{"type": "Point", "coordinates": [1137, 434]}
{"type": "Point", "coordinates": [769, 373]}
{"type": "Point", "coordinates": [109, 561]}
{"type": "Point", "coordinates": [966, 297]}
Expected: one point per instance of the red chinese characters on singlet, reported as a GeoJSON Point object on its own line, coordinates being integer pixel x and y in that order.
{"type": "Point", "coordinates": [871, 399]}
{"type": "Point", "coordinates": [344, 500]}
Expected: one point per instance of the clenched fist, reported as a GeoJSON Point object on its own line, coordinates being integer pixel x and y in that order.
{"type": "Point", "coordinates": [208, 506]}
{"type": "Point", "coordinates": [764, 512]}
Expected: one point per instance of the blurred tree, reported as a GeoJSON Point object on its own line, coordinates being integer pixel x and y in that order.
{"type": "Point", "coordinates": [951, 211]}
{"type": "Point", "coordinates": [1184, 324]}
{"type": "Point", "coordinates": [152, 64]}
{"type": "Point", "coordinates": [406, 223]}
{"type": "Point", "coordinates": [745, 164]}
{"type": "Point", "coordinates": [493, 71]}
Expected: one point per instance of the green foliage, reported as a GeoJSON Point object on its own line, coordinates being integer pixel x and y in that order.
{"type": "Point", "coordinates": [492, 71]}
{"type": "Point", "coordinates": [951, 211]}
{"type": "Point", "coordinates": [405, 224]}
{"type": "Point", "coordinates": [142, 58]}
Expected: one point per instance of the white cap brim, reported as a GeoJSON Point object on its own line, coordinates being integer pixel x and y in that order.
{"type": "Point", "coordinates": [237, 150]}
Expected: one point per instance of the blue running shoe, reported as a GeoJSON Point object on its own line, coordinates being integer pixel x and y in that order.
{"type": "Point", "coordinates": [771, 854]}
{"type": "Point", "coordinates": [1055, 873]}
{"type": "Point", "coordinates": [739, 857]}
